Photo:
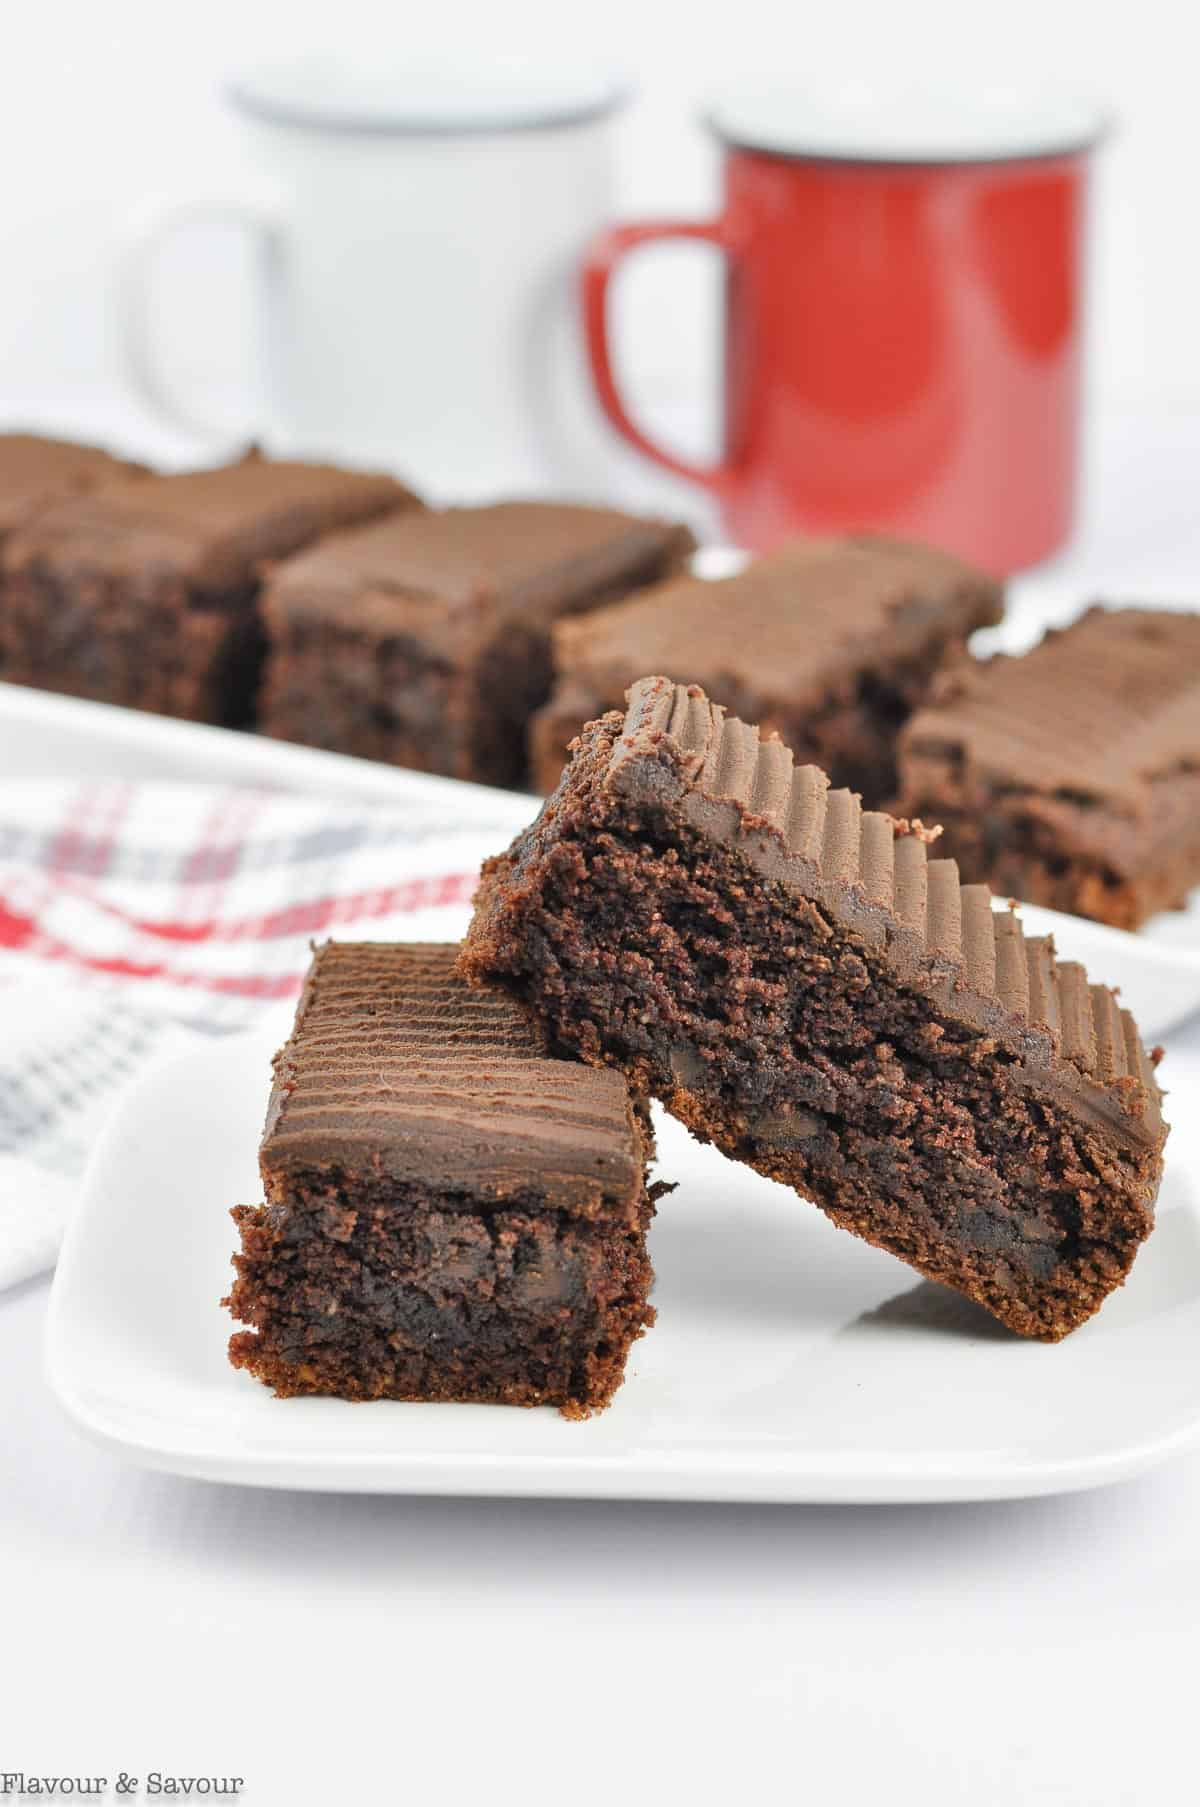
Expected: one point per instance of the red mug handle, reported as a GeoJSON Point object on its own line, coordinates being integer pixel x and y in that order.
{"type": "Point", "coordinates": [599, 267]}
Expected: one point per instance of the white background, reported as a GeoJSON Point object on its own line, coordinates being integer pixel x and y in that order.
{"type": "Point", "coordinates": [422, 1652]}
{"type": "Point", "coordinates": [108, 108]}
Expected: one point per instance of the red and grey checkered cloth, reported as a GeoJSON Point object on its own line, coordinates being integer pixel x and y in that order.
{"type": "Point", "coordinates": [133, 917]}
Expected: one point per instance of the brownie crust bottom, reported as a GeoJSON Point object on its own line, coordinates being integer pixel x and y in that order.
{"type": "Point", "coordinates": [412, 1295]}
{"type": "Point", "coordinates": [771, 1032]}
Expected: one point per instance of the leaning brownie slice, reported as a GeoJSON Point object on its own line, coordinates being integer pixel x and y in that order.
{"type": "Point", "coordinates": [450, 1213]}
{"type": "Point", "coordinates": [801, 984]}
{"type": "Point", "coordinates": [830, 643]}
{"type": "Point", "coordinates": [424, 640]}
{"type": "Point", "coordinates": [1071, 776]}
{"type": "Point", "coordinates": [145, 593]}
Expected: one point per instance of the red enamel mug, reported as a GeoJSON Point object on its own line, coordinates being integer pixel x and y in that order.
{"type": "Point", "coordinates": [903, 318]}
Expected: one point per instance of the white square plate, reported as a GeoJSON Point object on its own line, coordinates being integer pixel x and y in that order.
{"type": "Point", "coordinates": [789, 1362]}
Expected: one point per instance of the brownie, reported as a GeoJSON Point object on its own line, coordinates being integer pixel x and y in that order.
{"type": "Point", "coordinates": [36, 472]}
{"type": "Point", "coordinates": [145, 593]}
{"type": "Point", "coordinates": [424, 640]}
{"type": "Point", "coordinates": [831, 643]}
{"type": "Point", "coordinates": [800, 983]}
{"type": "Point", "coordinates": [1071, 776]}
{"type": "Point", "coordinates": [450, 1213]}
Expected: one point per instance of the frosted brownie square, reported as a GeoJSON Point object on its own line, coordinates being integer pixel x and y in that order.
{"type": "Point", "coordinates": [829, 643]}
{"type": "Point", "coordinates": [1071, 776]}
{"type": "Point", "coordinates": [450, 1213]}
{"type": "Point", "coordinates": [425, 640]}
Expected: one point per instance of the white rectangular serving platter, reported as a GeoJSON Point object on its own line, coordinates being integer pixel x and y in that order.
{"type": "Point", "coordinates": [789, 1362]}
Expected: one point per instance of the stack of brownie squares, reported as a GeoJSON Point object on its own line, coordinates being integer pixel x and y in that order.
{"type": "Point", "coordinates": [455, 1152]}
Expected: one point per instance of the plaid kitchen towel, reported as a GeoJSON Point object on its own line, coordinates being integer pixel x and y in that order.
{"type": "Point", "coordinates": [136, 917]}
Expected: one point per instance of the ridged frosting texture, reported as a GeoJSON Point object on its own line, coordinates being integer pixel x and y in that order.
{"type": "Point", "coordinates": [877, 876]}
{"type": "Point", "coordinates": [398, 1070]}
{"type": "Point", "coordinates": [806, 611]}
{"type": "Point", "coordinates": [1098, 709]}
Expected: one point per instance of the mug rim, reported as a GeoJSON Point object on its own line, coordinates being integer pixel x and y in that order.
{"type": "Point", "coordinates": [322, 99]}
{"type": "Point", "coordinates": [1005, 125]}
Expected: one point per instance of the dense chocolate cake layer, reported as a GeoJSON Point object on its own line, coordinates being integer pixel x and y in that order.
{"type": "Point", "coordinates": [830, 643]}
{"type": "Point", "coordinates": [145, 593]}
{"type": "Point", "coordinates": [1071, 776]}
{"type": "Point", "coordinates": [878, 880]}
{"type": "Point", "coordinates": [800, 982]}
{"type": "Point", "coordinates": [451, 1213]}
{"type": "Point", "coordinates": [424, 640]}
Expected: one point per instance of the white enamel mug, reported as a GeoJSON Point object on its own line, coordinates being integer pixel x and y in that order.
{"type": "Point", "coordinates": [419, 237]}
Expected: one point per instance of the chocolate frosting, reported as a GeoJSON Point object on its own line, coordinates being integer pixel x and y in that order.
{"type": "Point", "coordinates": [446, 575]}
{"type": "Point", "coordinates": [398, 1069]}
{"type": "Point", "coordinates": [36, 473]}
{"type": "Point", "coordinates": [796, 621]}
{"type": "Point", "coordinates": [212, 529]}
{"type": "Point", "coordinates": [873, 876]}
{"type": "Point", "coordinates": [1098, 710]}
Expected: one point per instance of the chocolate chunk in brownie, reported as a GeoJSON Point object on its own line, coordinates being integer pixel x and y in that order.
{"type": "Point", "coordinates": [145, 592]}
{"type": "Point", "coordinates": [830, 643]}
{"type": "Point", "coordinates": [801, 984]}
{"type": "Point", "coordinates": [425, 640]}
{"type": "Point", "coordinates": [450, 1213]}
{"type": "Point", "coordinates": [1071, 776]}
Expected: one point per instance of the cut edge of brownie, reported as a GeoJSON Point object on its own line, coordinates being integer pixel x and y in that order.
{"type": "Point", "coordinates": [359, 1279]}
{"type": "Point", "coordinates": [801, 984]}
{"type": "Point", "coordinates": [512, 1346]}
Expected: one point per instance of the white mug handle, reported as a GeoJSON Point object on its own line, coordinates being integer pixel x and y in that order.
{"type": "Point", "coordinates": [144, 241]}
